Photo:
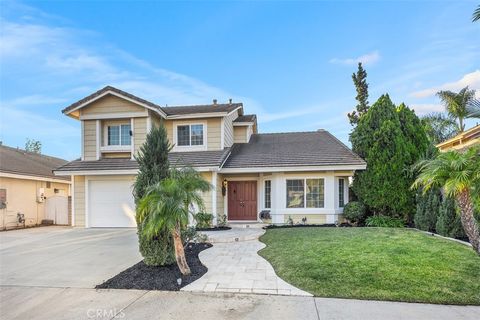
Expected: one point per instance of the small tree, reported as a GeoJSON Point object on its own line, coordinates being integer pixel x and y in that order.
{"type": "Point", "coordinates": [166, 207]}
{"type": "Point", "coordinates": [428, 206]}
{"type": "Point", "coordinates": [459, 176]}
{"type": "Point", "coordinates": [153, 164]}
{"type": "Point", "coordinates": [360, 81]}
{"type": "Point", "coordinates": [34, 146]}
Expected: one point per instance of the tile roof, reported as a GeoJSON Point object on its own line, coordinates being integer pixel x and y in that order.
{"type": "Point", "coordinates": [317, 148]}
{"type": "Point", "coordinates": [206, 108]}
{"type": "Point", "coordinates": [246, 118]}
{"type": "Point", "coordinates": [193, 159]}
{"type": "Point", "coordinates": [18, 161]}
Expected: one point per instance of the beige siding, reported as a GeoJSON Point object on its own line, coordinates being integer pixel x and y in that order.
{"type": "Point", "coordinates": [111, 104]}
{"type": "Point", "coordinates": [89, 140]}
{"type": "Point", "coordinates": [220, 198]}
{"type": "Point", "coordinates": [240, 134]}
{"type": "Point", "coordinates": [311, 218]}
{"type": "Point", "coordinates": [228, 128]}
{"type": "Point", "coordinates": [156, 119]}
{"type": "Point", "coordinates": [207, 196]}
{"type": "Point", "coordinates": [79, 201]}
{"type": "Point", "coordinates": [214, 131]}
{"type": "Point", "coordinates": [110, 155]}
{"type": "Point", "coordinates": [139, 132]}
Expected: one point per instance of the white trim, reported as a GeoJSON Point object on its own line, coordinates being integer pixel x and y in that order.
{"type": "Point", "coordinates": [149, 124]}
{"type": "Point", "coordinates": [202, 115]}
{"type": "Point", "coordinates": [299, 168]}
{"type": "Point", "coordinates": [202, 147]}
{"type": "Point", "coordinates": [97, 138]}
{"type": "Point", "coordinates": [113, 116]}
{"type": "Point", "coordinates": [125, 148]}
{"type": "Point", "coordinates": [222, 133]}
{"type": "Point", "coordinates": [247, 138]}
{"type": "Point", "coordinates": [159, 111]}
{"type": "Point", "coordinates": [29, 177]}
{"type": "Point", "coordinates": [106, 146]}
{"type": "Point", "coordinates": [82, 129]}
{"type": "Point", "coordinates": [132, 140]}
{"type": "Point", "coordinates": [118, 172]}
{"type": "Point", "coordinates": [242, 124]}
{"type": "Point", "coordinates": [87, 203]}
{"type": "Point", "coordinates": [214, 197]}
{"type": "Point", "coordinates": [73, 200]}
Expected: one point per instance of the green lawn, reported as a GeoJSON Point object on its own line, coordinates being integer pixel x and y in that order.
{"type": "Point", "coordinates": [375, 263]}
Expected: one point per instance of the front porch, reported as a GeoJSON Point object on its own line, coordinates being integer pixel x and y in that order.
{"type": "Point", "coordinates": [312, 197]}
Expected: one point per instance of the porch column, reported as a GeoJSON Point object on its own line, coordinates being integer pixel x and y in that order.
{"type": "Point", "coordinates": [330, 198]}
{"type": "Point", "coordinates": [214, 197]}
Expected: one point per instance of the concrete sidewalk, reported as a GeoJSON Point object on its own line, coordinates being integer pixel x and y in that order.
{"type": "Point", "coordinates": [37, 303]}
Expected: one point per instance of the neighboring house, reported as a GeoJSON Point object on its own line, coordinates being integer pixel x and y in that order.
{"type": "Point", "coordinates": [297, 175]}
{"type": "Point", "coordinates": [28, 187]}
{"type": "Point", "coordinates": [462, 140]}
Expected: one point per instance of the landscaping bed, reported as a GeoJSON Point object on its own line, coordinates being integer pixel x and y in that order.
{"type": "Point", "coordinates": [393, 264]}
{"type": "Point", "coordinates": [213, 229]}
{"type": "Point", "coordinates": [325, 225]}
{"type": "Point", "coordinates": [143, 277]}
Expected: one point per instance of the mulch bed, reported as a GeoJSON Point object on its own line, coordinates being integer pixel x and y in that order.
{"type": "Point", "coordinates": [325, 225]}
{"type": "Point", "coordinates": [143, 277]}
{"type": "Point", "coordinates": [213, 229]}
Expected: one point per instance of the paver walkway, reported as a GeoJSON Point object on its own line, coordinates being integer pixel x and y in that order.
{"type": "Point", "coordinates": [234, 266]}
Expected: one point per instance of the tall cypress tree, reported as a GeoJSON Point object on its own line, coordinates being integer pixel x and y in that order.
{"type": "Point", "coordinates": [153, 164]}
{"type": "Point", "coordinates": [360, 81]}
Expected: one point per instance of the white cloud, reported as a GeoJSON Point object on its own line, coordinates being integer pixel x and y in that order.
{"type": "Point", "coordinates": [369, 58]}
{"type": "Point", "coordinates": [471, 79]}
{"type": "Point", "coordinates": [426, 108]}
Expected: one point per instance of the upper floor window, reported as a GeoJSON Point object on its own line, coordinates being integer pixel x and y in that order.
{"type": "Point", "coordinates": [341, 192]}
{"type": "Point", "coordinates": [190, 135]}
{"type": "Point", "coordinates": [305, 193]}
{"type": "Point", "coordinates": [119, 135]}
{"type": "Point", "coordinates": [268, 194]}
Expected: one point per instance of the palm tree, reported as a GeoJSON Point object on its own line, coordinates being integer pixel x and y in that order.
{"type": "Point", "coordinates": [439, 127]}
{"type": "Point", "coordinates": [166, 206]}
{"type": "Point", "coordinates": [459, 176]}
{"type": "Point", "coordinates": [476, 14]}
{"type": "Point", "coordinates": [457, 104]}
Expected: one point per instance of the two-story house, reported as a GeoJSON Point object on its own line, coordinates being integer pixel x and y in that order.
{"type": "Point", "coordinates": [292, 175]}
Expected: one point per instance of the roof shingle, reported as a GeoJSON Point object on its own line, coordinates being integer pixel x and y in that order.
{"type": "Point", "coordinates": [246, 118]}
{"type": "Point", "coordinates": [292, 149]}
{"type": "Point", "coordinates": [18, 161]}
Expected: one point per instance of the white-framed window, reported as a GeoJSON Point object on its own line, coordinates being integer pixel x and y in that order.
{"type": "Point", "coordinates": [305, 193]}
{"type": "Point", "coordinates": [190, 135]}
{"type": "Point", "coordinates": [268, 194]}
{"type": "Point", "coordinates": [119, 135]}
{"type": "Point", "coordinates": [341, 192]}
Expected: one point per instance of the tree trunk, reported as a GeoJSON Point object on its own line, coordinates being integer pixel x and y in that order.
{"type": "Point", "coordinates": [179, 251]}
{"type": "Point", "coordinates": [468, 220]}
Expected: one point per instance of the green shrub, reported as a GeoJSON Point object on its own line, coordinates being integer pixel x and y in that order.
{"type": "Point", "coordinates": [204, 220]}
{"type": "Point", "coordinates": [428, 207]}
{"type": "Point", "coordinates": [190, 234]}
{"type": "Point", "coordinates": [157, 251]}
{"type": "Point", "coordinates": [384, 221]}
{"type": "Point", "coordinates": [222, 221]}
{"type": "Point", "coordinates": [354, 211]}
{"type": "Point", "coordinates": [448, 222]}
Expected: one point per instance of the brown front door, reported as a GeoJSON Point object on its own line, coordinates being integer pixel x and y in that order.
{"type": "Point", "coordinates": [242, 200]}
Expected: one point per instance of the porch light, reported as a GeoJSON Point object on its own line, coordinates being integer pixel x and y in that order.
{"type": "Point", "coordinates": [224, 187]}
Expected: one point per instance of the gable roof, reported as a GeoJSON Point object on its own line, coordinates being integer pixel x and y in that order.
{"type": "Point", "coordinates": [246, 118]}
{"type": "Point", "coordinates": [174, 111]}
{"type": "Point", "coordinates": [111, 90]}
{"type": "Point", "coordinates": [292, 149]}
{"type": "Point", "coordinates": [21, 162]}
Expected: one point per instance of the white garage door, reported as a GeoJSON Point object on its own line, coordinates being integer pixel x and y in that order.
{"type": "Point", "coordinates": [111, 203]}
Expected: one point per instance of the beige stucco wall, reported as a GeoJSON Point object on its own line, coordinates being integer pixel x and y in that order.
{"type": "Point", "coordinates": [111, 104]}
{"type": "Point", "coordinates": [240, 134]}
{"type": "Point", "coordinates": [22, 197]}
{"type": "Point", "coordinates": [311, 218]}
{"type": "Point", "coordinates": [89, 140]}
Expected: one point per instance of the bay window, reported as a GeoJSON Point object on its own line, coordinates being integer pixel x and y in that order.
{"type": "Point", "coordinates": [305, 193]}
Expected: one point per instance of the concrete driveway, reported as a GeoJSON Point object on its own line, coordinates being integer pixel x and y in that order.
{"type": "Point", "coordinates": [65, 257]}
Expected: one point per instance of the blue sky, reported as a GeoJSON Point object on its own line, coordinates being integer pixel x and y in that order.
{"type": "Point", "coordinates": [289, 62]}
